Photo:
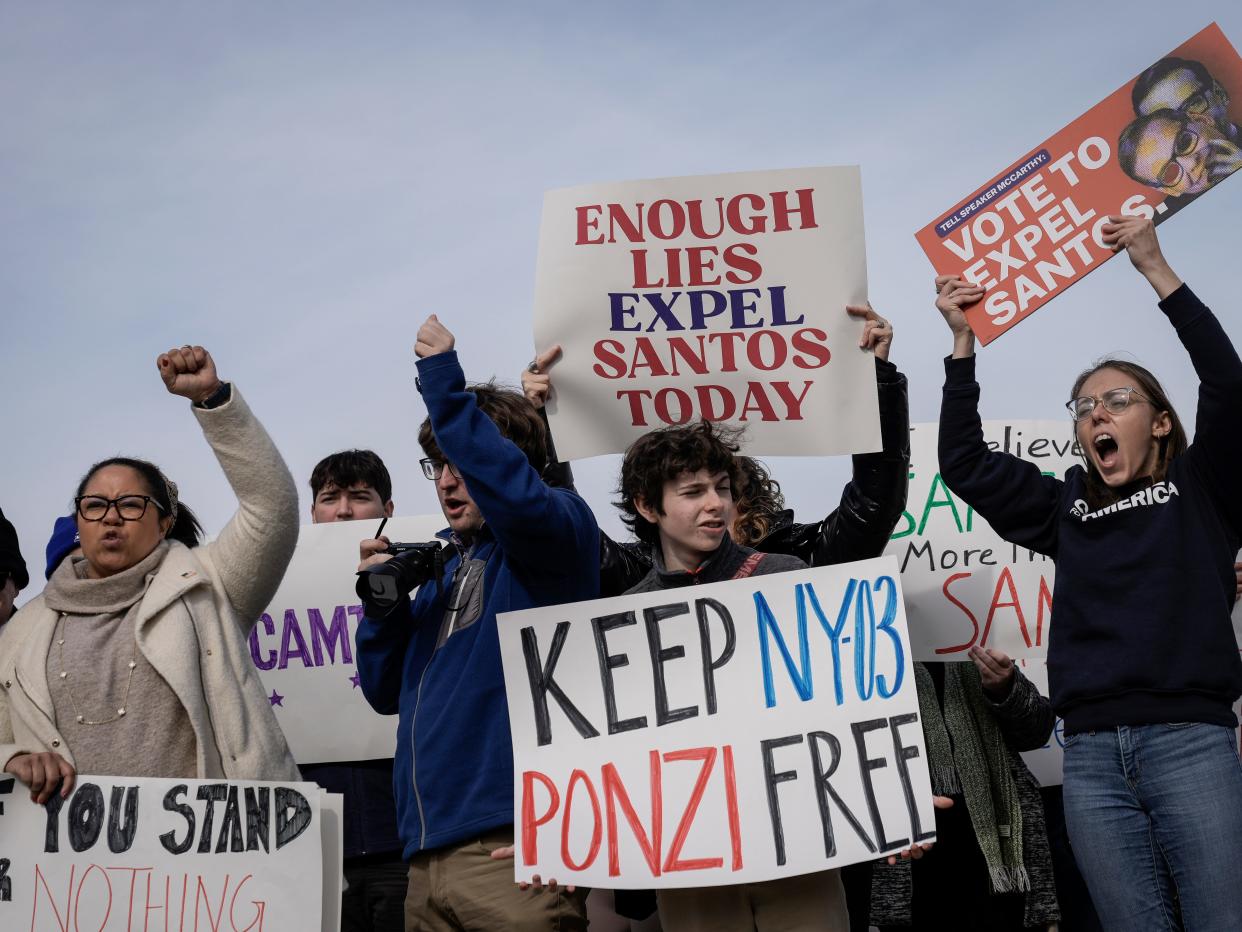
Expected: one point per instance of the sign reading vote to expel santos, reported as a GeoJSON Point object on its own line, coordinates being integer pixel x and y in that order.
{"type": "Point", "coordinates": [719, 297]}
{"type": "Point", "coordinates": [716, 734]}
{"type": "Point", "coordinates": [126, 854]}
{"type": "Point", "coordinates": [1148, 149]}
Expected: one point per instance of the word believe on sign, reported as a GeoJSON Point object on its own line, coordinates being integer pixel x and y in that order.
{"type": "Point", "coordinates": [124, 854]}
{"type": "Point", "coordinates": [719, 297]}
{"type": "Point", "coordinates": [717, 734]}
{"type": "Point", "coordinates": [1147, 149]}
{"type": "Point", "coordinates": [303, 645]}
{"type": "Point", "coordinates": [964, 584]}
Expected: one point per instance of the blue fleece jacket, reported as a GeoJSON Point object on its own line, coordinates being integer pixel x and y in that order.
{"type": "Point", "coordinates": [1144, 584]}
{"type": "Point", "coordinates": [453, 772]}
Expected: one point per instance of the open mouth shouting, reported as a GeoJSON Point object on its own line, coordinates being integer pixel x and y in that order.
{"type": "Point", "coordinates": [1106, 452]}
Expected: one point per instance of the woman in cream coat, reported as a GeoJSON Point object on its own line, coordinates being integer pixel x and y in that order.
{"type": "Point", "coordinates": [134, 661]}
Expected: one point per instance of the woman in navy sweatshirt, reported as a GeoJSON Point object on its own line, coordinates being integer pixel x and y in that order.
{"type": "Point", "coordinates": [1142, 661]}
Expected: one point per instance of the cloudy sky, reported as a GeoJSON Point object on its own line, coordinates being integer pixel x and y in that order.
{"type": "Point", "coordinates": [297, 185]}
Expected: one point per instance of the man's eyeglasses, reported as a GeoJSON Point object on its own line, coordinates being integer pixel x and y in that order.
{"type": "Point", "coordinates": [1196, 104]}
{"type": "Point", "coordinates": [434, 470]}
{"type": "Point", "coordinates": [1115, 400]}
{"type": "Point", "coordinates": [129, 507]}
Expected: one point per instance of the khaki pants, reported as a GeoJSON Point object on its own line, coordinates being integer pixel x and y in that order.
{"type": "Point", "coordinates": [461, 888]}
{"type": "Point", "coordinates": [807, 903]}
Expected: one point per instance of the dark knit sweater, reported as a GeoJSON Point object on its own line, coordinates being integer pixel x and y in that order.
{"type": "Point", "coordinates": [1144, 586]}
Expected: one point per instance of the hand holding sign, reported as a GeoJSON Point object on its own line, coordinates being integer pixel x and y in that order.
{"type": "Point", "coordinates": [877, 334]}
{"type": "Point", "coordinates": [996, 671]}
{"type": "Point", "coordinates": [536, 382]}
{"type": "Point", "coordinates": [1137, 236]}
{"type": "Point", "coordinates": [952, 295]}
{"type": "Point", "coordinates": [42, 772]}
{"type": "Point", "coordinates": [917, 851]}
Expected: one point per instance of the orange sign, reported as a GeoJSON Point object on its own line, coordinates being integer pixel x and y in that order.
{"type": "Point", "coordinates": [1148, 149]}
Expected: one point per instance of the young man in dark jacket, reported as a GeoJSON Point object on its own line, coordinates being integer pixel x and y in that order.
{"type": "Point", "coordinates": [677, 496]}
{"type": "Point", "coordinates": [517, 543]}
{"type": "Point", "coordinates": [354, 485]}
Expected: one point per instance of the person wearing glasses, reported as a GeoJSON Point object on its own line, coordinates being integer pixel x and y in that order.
{"type": "Point", "coordinates": [1142, 660]}
{"type": "Point", "coordinates": [134, 659]}
{"type": "Point", "coordinates": [1181, 154]}
{"type": "Point", "coordinates": [1182, 142]}
{"type": "Point", "coordinates": [516, 543]}
{"type": "Point", "coordinates": [1184, 86]}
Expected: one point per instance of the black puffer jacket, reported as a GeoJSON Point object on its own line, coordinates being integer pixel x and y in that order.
{"type": "Point", "coordinates": [858, 529]}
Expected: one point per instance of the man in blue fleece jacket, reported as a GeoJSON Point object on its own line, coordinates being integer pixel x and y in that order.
{"type": "Point", "coordinates": [516, 543]}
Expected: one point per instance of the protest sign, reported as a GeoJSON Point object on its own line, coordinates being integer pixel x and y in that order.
{"type": "Point", "coordinates": [719, 297]}
{"type": "Point", "coordinates": [303, 645]}
{"type": "Point", "coordinates": [139, 853]}
{"type": "Point", "coordinates": [1045, 763]}
{"type": "Point", "coordinates": [1147, 149]}
{"type": "Point", "coordinates": [716, 734]}
{"type": "Point", "coordinates": [964, 584]}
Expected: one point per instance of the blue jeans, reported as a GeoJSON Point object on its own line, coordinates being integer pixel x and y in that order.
{"type": "Point", "coordinates": [1154, 809]}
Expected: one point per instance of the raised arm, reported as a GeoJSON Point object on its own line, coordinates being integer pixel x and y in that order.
{"type": "Point", "coordinates": [253, 550]}
{"type": "Point", "coordinates": [529, 519]}
{"type": "Point", "coordinates": [872, 501]}
{"type": "Point", "coordinates": [1217, 446]}
{"type": "Point", "coordinates": [1011, 494]}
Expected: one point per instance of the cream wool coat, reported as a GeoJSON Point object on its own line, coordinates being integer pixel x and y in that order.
{"type": "Point", "coordinates": [193, 623]}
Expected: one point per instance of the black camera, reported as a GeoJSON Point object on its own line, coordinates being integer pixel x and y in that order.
{"type": "Point", "coordinates": [383, 585]}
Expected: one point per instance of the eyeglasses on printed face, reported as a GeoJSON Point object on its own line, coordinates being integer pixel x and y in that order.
{"type": "Point", "coordinates": [129, 507]}
{"type": "Point", "coordinates": [1115, 400]}
{"type": "Point", "coordinates": [1196, 104]}
{"type": "Point", "coordinates": [1185, 143]}
{"type": "Point", "coordinates": [434, 470]}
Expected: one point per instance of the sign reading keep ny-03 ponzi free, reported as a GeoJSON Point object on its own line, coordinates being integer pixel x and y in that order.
{"type": "Point", "coordinates": [1148, 149]}
{"type": "Point", "coordinates": [719, 297]}
{"type": "Point", "coordinates": [139, 853]}
{"type": "Point", "coordinates": [303, 645]}
{"type": "Point", "coordinates": [716, 734]}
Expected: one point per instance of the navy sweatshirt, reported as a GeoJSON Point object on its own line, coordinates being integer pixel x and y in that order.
{"type": "Point", "coordinates": [1144, 586]}
{"type": "Point", "coordinates": [436, 662]}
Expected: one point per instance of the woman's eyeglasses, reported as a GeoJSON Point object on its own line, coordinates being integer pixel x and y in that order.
{"type": "Point", "coordinates": [1115, 400]}
{"type": "Point", "coordinates": [129, 507]}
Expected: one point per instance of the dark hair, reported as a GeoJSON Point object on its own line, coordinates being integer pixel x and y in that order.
{"type": "Point", "coordinates": [186, 528]}
{"type": "Point", "coordinates": [758, 501]}
{"type": "Point", "coordinates": [664, 454]}
{"type": "Point", "coordinates": [512, 412]}
{"type": "Point", "coordinates": [351, 467]}
{"type": "Point", "coordinates": [1171, 445]}
{"type": "Point", "coordinates": [1161, 70]}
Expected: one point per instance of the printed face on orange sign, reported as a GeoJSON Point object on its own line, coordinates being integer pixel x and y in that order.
{"type": "Point", "coordinates": [1175, 152]}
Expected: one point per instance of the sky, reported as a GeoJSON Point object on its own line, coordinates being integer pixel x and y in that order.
{"type": "Point", "coordinates": [296, 186]}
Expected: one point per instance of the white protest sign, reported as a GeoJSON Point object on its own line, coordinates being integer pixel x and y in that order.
{"type": "Point", "coordinates": [716, 734]}
{"type": "Point", "coordinates": [717, 296]}
{"type": "Point", "coordinates": [332, 843]}
{"type": "Point", "coordinates": [137, 853]}
{"type": "Point", "coordinates": [303, 645]}
{"type": "Point", "coordinates": [964, 584]}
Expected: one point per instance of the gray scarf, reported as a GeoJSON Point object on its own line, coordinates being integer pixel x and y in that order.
{"type": "Point", "coordinates": [71, 591]}
{"type": "Point", "coordinates": [977, 765]}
